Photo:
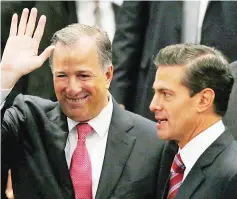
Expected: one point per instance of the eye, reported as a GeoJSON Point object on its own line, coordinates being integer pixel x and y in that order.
{"type": "Point", "coordinates": [167, 95]}
{"type": "Point", "coordinates": [84, 76]}
{"type": "Point", "coordinates": [61, 75]}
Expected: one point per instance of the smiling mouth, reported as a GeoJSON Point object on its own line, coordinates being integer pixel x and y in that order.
{"type": "Point", "coordinates": [76, 99]}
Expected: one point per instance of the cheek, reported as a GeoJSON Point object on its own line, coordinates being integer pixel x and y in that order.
{"type": "Point", "coordinates": [185, 116]}
{"type": "Point", "coordinates": [59, 86]}
{"type": "Point", "coordinates": [178, 113]}
{"type": "Point", "coordinates": [97, 88]}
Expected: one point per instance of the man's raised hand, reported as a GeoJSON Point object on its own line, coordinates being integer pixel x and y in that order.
{"type": "Point", "coordinates": [20, 55]}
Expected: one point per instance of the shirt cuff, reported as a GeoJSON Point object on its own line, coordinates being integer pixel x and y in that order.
{"type": "Point", "coordinates": [4, 94]}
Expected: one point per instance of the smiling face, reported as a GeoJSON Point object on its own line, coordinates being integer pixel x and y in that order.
{"type": "Point", "coordinates": [80, 84]}
{"type": "Point", "coordinates": [175, 111]}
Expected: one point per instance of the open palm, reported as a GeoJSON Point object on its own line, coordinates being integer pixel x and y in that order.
{"type": "Point", "coordinates": [20, 55]}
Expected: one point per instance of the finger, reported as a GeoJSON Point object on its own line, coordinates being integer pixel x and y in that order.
{"type": "Point", "coordinates": [13, 29]}
{"type": "Point", "coordinates": [31, 22]}
{"type": "Point", "coordinates": [122, 106]}
{"type": "Point", "coordinates": [22, 24]}
{"type": "Point", "coordinates": [40, 28]}
{"type": "Point", "coordinates": [45, 54]}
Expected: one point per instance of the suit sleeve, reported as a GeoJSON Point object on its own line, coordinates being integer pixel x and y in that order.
{"type": "Point", "coordinates": [131, 23]}
{"type": "Point", "coordinates": [11, 120]}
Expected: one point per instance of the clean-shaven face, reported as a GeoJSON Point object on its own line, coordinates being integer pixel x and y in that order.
{"type": "Point", "coordinates": [175, 111]}
{"type": "Point", "coordinates": [81, 86]}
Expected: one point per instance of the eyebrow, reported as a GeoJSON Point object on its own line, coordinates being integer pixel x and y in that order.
{"type": "Point", "coordinates": [162, 89]}
{"type": "Point", "coordinates": [79, 71]}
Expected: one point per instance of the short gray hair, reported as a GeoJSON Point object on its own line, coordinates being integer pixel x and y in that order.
{"type": "Point", "coordinates": [72, 33]}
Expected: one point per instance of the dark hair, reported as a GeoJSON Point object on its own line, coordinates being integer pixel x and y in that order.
{"type": "Point", "coordinates": [72, 33]}
{"type": "Point", "coordinates": [205, 67]}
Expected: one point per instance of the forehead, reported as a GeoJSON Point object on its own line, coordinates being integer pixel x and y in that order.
{"type": "Point", "coordinates": [168, 76]}
{"type": "Point", "coordinates": [83, 51]}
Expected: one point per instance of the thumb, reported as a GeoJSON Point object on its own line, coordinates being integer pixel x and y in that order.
{"type": "Point", "coordinates": [46, 53]}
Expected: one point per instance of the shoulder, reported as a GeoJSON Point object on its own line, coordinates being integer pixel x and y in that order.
{"type": "Point", "coordinates": [142, 122]}
{"type": "Point", "coordinates": [230, 167]}
{"type": "Point", "coordinates": [225, 164]}
{"type": "Point", "coordinates": [23, 103]}
{"type": "Point", "coordinates": [229, 157]}
{"type": "Point", "coordinates": [137, 124]}
{"type": "Point", "coordinates": [144, 129]}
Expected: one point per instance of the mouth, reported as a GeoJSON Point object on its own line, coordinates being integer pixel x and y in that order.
{"type": "Point", "coordinates": [161, 122]}
{"type": "Point", "coordinates": [78, 100]}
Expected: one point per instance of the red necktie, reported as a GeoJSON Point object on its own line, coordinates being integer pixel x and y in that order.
{"type": "Point", "coordinates": [80, 170]}
{"type": "Point", "coordinates": [177, 172]}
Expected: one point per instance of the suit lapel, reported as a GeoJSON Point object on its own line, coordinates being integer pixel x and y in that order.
{"type": "Point", "coordinates": [119, 147]}
{"type": "Point", "coordinates": [196, 176]}
{"type": "Point", "coordinates": [191, 183]}
{"type": "Point", "coordinates": [55, 144]}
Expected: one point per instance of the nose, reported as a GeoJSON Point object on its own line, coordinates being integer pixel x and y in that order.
{"type": "Point", "coordinates": [156, 104]}
{"type": "Point", "coordinates": [74, 87]}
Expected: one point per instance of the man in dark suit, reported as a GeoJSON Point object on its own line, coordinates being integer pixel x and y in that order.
{"type": "Point", "coordinates": [44, 143]}
{"type": "Point", "coordinates": [192, 88]}
{"type": "Point", "coordinates": [155, 24]}
{"type": "Point", "coordinates": [230, 118]}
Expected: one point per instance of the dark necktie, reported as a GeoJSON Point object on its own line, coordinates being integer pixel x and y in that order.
{"type": "Point", "coordinates": [80, 170]}
{"type": "Point", "coordinates": [177, 172]}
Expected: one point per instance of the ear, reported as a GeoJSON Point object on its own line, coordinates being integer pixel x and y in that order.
{"type": "Point", "coordinates": [205, 100]}
{"type": "Point", "coordinates": [109, 76]}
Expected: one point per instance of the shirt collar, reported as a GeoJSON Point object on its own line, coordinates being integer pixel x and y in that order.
{"type": "Point", "coordinates": [193, 149]}
{"type": "Point", "coordinates": [100, 123]}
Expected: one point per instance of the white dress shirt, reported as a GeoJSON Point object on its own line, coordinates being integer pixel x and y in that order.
{"type": "Point", "coordinates": [196, 147]}
{"type": "Point", "coordinates": [95, 142]}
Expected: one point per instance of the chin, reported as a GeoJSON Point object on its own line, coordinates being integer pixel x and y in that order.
{"type": "Point", "coordinates": [163, 135]}
{"type": "Point", "coordinates": [79, 118]}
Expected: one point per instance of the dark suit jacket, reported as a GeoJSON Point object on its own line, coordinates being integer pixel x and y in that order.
{"type": "Point", "coordinates": [144, 27]}
{"type": "Point", "coordinates": [230, 118]}
{"type": "Point", "coordinates": [214, 175]}
{"type": "Point", "coordinates": [34, 133]}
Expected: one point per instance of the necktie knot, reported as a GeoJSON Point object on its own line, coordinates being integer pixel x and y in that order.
{"type": "Point", "coordinates": [178, 165]}
{"type": "Point", "coordinates": [83, 129]}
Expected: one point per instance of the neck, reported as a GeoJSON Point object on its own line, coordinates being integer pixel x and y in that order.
{"type": "Point", "coordinates": [203, 123]}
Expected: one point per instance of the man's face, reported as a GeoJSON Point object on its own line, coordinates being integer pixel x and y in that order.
{"type": "Point", "coordinates": [174, 109]}
{"type": "Point", "coordinates": [81, 86]}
